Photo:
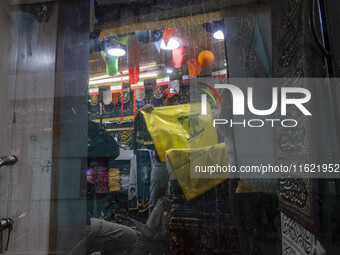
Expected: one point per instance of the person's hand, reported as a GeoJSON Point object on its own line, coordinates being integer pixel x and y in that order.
{"type": "Point", "coordinates": [147, 108]}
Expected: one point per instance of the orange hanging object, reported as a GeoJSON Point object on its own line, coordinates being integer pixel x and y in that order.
{"type": "Point", "coordinates": [194, 67]}
{"type": "Point", "coordinates": [206, 58]}
{"type": "Point", "coordinates": [115, 98]}
{"type": "Point", "coordinates": [167, 34]}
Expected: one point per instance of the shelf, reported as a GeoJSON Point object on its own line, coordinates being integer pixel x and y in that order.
{"type": "Point", "coordinates": [113, 119]}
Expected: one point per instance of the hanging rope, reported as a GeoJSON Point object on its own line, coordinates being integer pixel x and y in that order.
{"type": "Point", "coordinates": [134, 103]}
{"type": "Point", "coordinates": [122, 98]}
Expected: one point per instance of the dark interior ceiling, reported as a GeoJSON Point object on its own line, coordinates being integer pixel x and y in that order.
{"type": "Point", "coordinates": [116, 13]}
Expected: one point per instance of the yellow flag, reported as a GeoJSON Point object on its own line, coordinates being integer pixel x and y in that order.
{"type": "Point", "coordinates": [180, 127]}
{"type": "Point", "coordinates": [185, 162]}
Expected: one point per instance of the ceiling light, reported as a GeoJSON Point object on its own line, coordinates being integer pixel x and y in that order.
{"type": "Point", "coordinates": [148, 66]}
{"type": "Point", "coordinates": [108, 81]}
{"type": "Point", "coordinates": [169, 71]}
{"type": "Point", "coordinates": [218, 35]}
{"type": "Point", "coordinates": [117, 52]}
{"type": "Point", "coordinates": [99, 77]}
{"type": "Point", "coordinates": [148, 75]}
{"type": "Point", "coordinates": [118, 79]}
{"type": "Point", "coordinates": [172, 44]}
{"type": "Point", "coordinates": [96, 77]}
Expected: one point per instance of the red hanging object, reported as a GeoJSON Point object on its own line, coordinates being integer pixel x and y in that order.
{"type": "Point", "coordinates": [134, 75]}
{"type": "Point", "coordinates": [178, 57]}
{"type": "Point", "coordinates": [122, 98]}
{"type": "Point", "coordinates": [167, 34]}
{"type": "Point", "coordinates": [134, 104]}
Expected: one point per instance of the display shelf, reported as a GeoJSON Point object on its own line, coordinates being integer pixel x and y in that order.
{"type": "Point", "coordinates": [113, 119]}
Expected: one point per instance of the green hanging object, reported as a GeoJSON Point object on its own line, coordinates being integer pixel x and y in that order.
{"type": "Point", "coordinates": [123, 39]}
{"type": "Point", "coordinates": [111, 65]}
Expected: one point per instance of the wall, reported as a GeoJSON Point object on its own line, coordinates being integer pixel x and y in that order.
{"type": "Point", "coordinates": [27, 66]}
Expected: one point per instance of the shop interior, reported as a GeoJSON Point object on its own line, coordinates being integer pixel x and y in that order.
{"type": "Point", "coordinates": [107, 105]}
{"type": "Point", "coordinates": [137, 50]}
{"type": "Point", "coordinates": [133, 58]}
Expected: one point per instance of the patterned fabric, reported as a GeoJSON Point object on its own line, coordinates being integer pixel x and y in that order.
{"type": "Point", "coordinates": [107, 96]}
{"type": "Point", "coordinates": [298, 240]}
{"type": "Point", "coordinates": [298, 196]}
{"type": "Point", "coordinates": [126, 137]}
{"type": "Point", "coordinates": [140, 104]}
{"type": "Point", "coordinates": [126, 96]}
{"type": "Point", "coordinates": [143, 180]}
{"type": "Point", "coordinates": [243, 58]}
{"type": "Point", "coordinates": [158, 91]}
{"type": "Point", "coordinates": [140, 94]}
{"type": "Point", "coordinates": [298, 199]}
{"type": "Point", "coordinates": [203, 224]}
{"type": "Point", "coordinates": [133, 185]}
{"type": "Point", "coordinates": [253, 212]}
{"type": "Point", "coordinates": [114, 179]}
{"type": "Point", "coordinates": [93, 109]}
{"type": "Point", "coordinates": [113, 109]}
{"type": "Point", "coordinates": [94, 100]}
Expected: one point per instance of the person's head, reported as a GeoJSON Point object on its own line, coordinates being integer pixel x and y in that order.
{"type": "Point", "coordinates": [170, 97]}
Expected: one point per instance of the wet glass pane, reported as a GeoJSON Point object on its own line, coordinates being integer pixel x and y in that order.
{"type": "Point", "coordinates": [169, 127]}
